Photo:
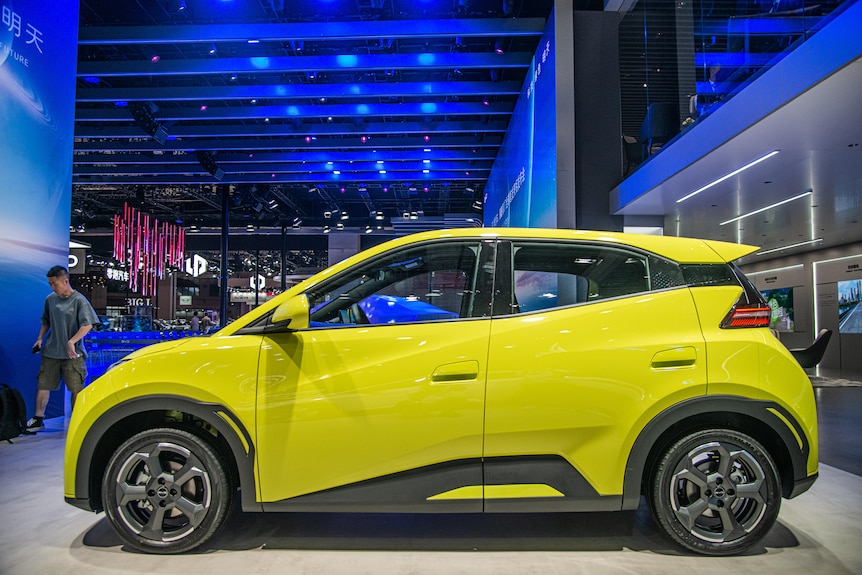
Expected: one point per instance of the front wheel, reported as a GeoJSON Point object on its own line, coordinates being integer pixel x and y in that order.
{"type": "Point", "coordinates": [166, 491]}
{"type": "Point", "coordinates": [715, 492]}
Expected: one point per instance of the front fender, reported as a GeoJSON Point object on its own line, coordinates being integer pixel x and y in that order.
{"type": "Point", "coordinates": [92, 454]}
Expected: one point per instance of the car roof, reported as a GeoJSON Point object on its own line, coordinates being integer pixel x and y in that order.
{"type": "Point", "coordinates": [682, 250]}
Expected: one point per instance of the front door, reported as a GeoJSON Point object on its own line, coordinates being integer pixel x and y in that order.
{"type": "Point", "coordinates": [379, 403]}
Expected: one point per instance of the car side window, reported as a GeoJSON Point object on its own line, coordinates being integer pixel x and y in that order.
{"type": "Point", "coordinates": [429, 282]}
{"type": "Point", "coordinates": [549, 274]}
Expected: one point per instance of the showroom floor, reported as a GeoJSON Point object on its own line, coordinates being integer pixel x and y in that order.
{"type": "Point", "coordinates": [818, 532]}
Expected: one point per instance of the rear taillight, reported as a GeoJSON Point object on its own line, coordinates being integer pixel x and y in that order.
{"type": "Point", "coordinates": [747, 315]}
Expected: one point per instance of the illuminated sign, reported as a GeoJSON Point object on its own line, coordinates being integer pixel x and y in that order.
{"type": "Point", "coordinates": [115, 274]}
{"type": "Point", "coordinates": [258, 282]}
{"type": "Point", "coordinates": [196, 265]}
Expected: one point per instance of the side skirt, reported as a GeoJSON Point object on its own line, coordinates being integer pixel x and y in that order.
{"type": "Point", "coordinates": [534, 484]}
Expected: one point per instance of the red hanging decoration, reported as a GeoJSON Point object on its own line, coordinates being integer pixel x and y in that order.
{"type": "Point", "coordinates": [148, 247]}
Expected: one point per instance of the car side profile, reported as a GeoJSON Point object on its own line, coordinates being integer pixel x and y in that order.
{"type": "Point", "coordinates": [482, 370]}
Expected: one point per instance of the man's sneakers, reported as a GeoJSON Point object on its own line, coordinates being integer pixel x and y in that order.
{"type": "Point", "coordinates": [35, 424]}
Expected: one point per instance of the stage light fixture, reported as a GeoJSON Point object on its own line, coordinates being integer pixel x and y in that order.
{"type": "Point", "coordinates": [142, 113]}
{"type": "Point", "coordinates": [205, 158]}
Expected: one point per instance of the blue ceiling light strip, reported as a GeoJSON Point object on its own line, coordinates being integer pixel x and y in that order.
{"type": "Point", "coordinates": [278, 64]}
{"type": "Point", "coordinates": [479, 155]}
{"type": "Point", "coordinates": [301, 91]}
{"type": "Point", "coordinates": [279, 32]}
{"type": "Point", "coordinates": [307, 111]}
{"type": "Point", "coordinates": [279, 178]}
{"type": "Point", "coordinates": [351, 170]}
{"type": "Point", "coordinates": [296, 142]}
{"type": "Point", "coordinates": [286, 129]}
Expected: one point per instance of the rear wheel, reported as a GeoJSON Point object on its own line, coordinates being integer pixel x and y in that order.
{"type": "Point", "coordinates": [166, 491]}
{"type": "Point", "coordinates": [715, 492]}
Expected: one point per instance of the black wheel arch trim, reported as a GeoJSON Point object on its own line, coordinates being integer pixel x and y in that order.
{"type": "Point", "coordinates": [758, 410]}
{"type": "Point", "coordinates": [242, 450]}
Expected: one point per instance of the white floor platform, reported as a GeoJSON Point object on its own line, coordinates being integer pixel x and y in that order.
{"type": "Point", "coordinates": [818, 533]}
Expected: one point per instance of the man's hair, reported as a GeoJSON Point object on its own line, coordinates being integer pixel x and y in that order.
{"type": "Point", "coordinates": [58, 271]}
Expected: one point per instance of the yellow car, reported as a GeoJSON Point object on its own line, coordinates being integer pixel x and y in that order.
{"type": "Point", "coordinates": [483, 370]}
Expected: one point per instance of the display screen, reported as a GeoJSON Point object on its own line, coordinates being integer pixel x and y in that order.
{"type": "Point", "coordinates": [849, 310]}
{"type": "Point", "coordinates": [781, 302]}
{"type": "Point", "coordinates": [522, 186]}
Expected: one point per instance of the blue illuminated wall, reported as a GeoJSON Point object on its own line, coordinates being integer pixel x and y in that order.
{"type": "Point", "coordinates": [38, 50]}
{"type": "Point", "coordinates": [522, 187]}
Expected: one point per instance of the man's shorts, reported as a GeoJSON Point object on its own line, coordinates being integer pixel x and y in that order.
{"type": "Point", "coordinates": [73, 372]}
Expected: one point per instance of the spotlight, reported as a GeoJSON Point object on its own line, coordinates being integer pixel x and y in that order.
{"type": "Point", "coordinates": [498, 47]}
{"type": "Point", "coordinates": [213, 49]}
{"type": "Point", "coordinates": [206, 160]}
{"type": "Point", "coordinates": [142, 113]}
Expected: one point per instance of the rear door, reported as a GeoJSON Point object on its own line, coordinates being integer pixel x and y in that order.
{"type": "Point", "coordinates": [588, 343]}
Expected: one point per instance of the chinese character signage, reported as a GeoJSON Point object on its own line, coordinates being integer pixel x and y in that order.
{"type": "Point", "coordinates": [38, 50]}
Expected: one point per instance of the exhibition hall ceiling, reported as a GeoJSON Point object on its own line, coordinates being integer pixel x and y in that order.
{"type": "Point", "coordinates": [360, 112]}
{"type": "Point", "coordinates": [310, 112]}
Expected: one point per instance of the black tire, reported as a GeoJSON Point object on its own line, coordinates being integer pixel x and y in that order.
{"type": "Point", "coordinates": [166, 491]}
{"type": "Point", "coordinates": [715, 492]}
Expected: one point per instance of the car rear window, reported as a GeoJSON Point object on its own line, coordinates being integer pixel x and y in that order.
{"type": "Point", "coordinates": [551, 274]}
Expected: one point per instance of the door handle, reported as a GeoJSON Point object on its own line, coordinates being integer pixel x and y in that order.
{"type": "Point", "coordinates": [674, 358]}
{"type": "Point", "coordinates": [455, 372]}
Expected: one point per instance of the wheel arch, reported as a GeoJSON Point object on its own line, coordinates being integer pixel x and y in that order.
{"type": "Point", "coordinates": [212, 422]}
{"type": "Point", "coordinates": [765, 421]}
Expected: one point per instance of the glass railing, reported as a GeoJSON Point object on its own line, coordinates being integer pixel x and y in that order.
{"type": "Point", "coordinates": [681, 60]}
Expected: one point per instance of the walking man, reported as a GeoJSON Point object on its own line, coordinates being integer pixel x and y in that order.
{"type": "Point", "coordinates": [66, 318]}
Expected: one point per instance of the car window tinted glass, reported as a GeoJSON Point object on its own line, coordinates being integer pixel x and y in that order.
{"type": "Point", "coordinates": [547, 275]}
{"type": "Point", "coordinates": [697, 275]}
{"type": "Point", "coordinates": [422, 283]}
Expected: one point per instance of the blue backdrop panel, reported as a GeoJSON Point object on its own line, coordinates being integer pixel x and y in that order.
{"type": "Point", "coordinates": [38, 49]}
{"type": "Point", "coordinates": [522, 186]}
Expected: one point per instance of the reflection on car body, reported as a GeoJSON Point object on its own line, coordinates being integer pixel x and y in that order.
{"type": "Point", "coordinates": [466, 371]}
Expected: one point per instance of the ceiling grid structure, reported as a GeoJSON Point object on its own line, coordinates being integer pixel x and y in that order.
{"type": "Point", "coordinates": [302, 111]}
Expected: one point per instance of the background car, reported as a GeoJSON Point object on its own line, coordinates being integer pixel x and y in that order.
{"type": "Point", "coordinates": [520, 371]}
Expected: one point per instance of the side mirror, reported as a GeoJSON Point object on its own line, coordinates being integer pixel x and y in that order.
{"type": "Point", "coordinates": [293, 313]}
